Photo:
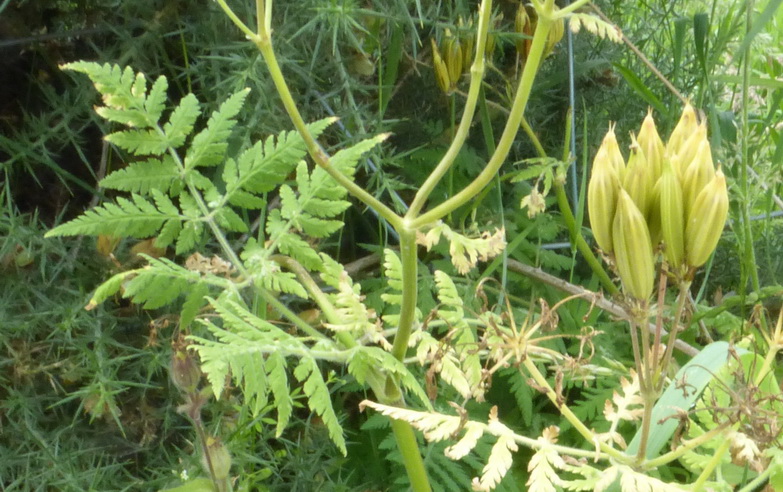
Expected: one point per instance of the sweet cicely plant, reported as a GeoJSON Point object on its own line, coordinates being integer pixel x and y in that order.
{"type": "Point", "coordinates": [191, 191]}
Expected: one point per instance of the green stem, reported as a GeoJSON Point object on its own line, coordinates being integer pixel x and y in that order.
{"type": "Point", "coordinates": [569, 415]}
{"type": "Point", "coordinates": [682, 297]}
{"type": "Point", "coordinates": [509, 132]}
{"type": "Point", "coordinates": [711, 465]}
{"type": "Point", "coordinates": [476, 77]}
{"type": "Point", "coordinates": [411, 457]}
{"type": "Point", "coordinates": [409, 260]}
{"type": "Point", "coordinates": [688, 446]}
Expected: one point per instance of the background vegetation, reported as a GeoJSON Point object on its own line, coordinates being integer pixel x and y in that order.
{"type": "Point", "coordinates": [86, 401]}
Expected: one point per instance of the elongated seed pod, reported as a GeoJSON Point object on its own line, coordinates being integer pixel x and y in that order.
{"type": "Point", "coordinates": [555, 35]}
{"type": "Point", "coordinates": [441, 71]}
{"type": "Point", "coordinates": [638, 180]}
{"type": "Point", "coordinates": [614, 157]}
{"type": "Point", "coordinates": [632, 249]}
{"type": "Point", "coordinates": [651, 145]}
{"type": "Point", "coordinates": [452, 53]}
{"type": "Point", "coordinates": [700, 172]}
{"type": "Point", "coordinates": [672, 217]}
{"type": "Point", "coordinates": [601, 202]}
{"type": "Point", "coordinates": [690, 148]}
{"type": "Point", "coordinates": [706, 221]}
{"type": "Point", "coordinates": [684, 129]}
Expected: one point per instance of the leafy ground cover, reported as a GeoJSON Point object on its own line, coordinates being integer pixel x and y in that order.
{"type": "Point", "coordinates": [113, 397]}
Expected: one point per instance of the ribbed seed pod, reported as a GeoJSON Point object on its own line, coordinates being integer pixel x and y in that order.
{"type": "Point", "coordinates": [468, 41]}
{"type": "Point", "coordinates": [613, 155]}
{"type": "Point", "coordinates": [651, 145]}
{"type": "Point", "coordinates": [601, 202]}
{"type": "Point", "coordinates": [555, 35]}
{"type": "Point", "coordinates": [672, 217]}
{"type": "Point", "coordinates": [684, 129]}
{"type": "Point", "coordinates": [452, 53]}
{"type": "Point", "coordinates": [697, 175]}
{"type": "Point", "coordinates": [523, 25]}
{"type": "Point", "coordinates": [441, 72]}
{"type": "Point", "coordinates": [638, 180]}
{"type": "Point", "coordinates": [654, 217]}
{"type": "Point", "coordinates": [690, 148]}
{"type": "Point", "coordinates": [706, 221]}
{"type": "Point", "coordinates": [489, 47]}
{"type": "Point", "coordinates": [632, 249]}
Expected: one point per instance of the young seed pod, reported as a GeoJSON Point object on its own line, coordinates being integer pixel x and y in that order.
{"type": "Point", "coordinates": [700, 172]}
{"type": "Point", "coordinates": [468, 41]}
{"type": "Point", "coordinates": [555, 35]}
{"type": "Point", "coordinates": [654, 217]}
{"type": "Point", "coordinates": [672, 217]}
{"type": "Point", "coordinates": [652, 145]}
{"type": "Point", "coordinates": [638, 180]}
{"type": "Point", "coordinates": [524, 26]}
{"type": "Point", "coordinates": [633, 249]}
{"type": "Point", "coordinates": [690, 148]}
{"type": "Point", "coordinates": [684, 129]}
{"type": "Point", "coordinates": [184, 371]}
{"type": "Point", "coordinates": [452, 52]}
{"type": "Point", "coordinates": [441, 72]}
{"type": "Point", "coordinates": [614, 157]}
{"type": "Point", "coordinates": [706, 221]}
{"type": "Point", "coordinates": [219, 458]}
{"type": "Point", "coordinates": [601, 202]}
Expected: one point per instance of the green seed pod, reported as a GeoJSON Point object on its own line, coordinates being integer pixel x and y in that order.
{"type": "Point", "coordinates": [468, 41]}
{"type": "Point", "coordinates": [184, 371]}
{"type": "Point", "coordinates": [633, 249]}
{"type": "Point", "coordinates": [706, 221]}
{"type": "Point", "coordinates": [672, 217]}
{"type": "Point", "coordinates": [452, 52]}
{"type": "Point", "coordinates": [690, 148]}
{"type": "Point", "coordinates": [489, 47]}
{"type": "Point", "coordinates": [654, 217]}
{"type": "Point", "coordinates": [441, 72]}
{"type": "Point", "coordinates": [697, 175]}
{"type": "Point", "coordinates": [684, 129]}
{"type": "Point", "coordinates": [555, 35]}
{"type": "Point", "coordinates": [638, 180]}
{"type": "Point", "coordinates": [652, 145]}
{"type": "Point", "coordinates": [219, 458]}
{"type": "Point", "coordinates": [614, 157]}
{"type": "Point", "coordinates": [523, 25]}
{"type": "Point", "coordinates": [601, 202]}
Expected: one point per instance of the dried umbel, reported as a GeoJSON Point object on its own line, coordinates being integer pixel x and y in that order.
{"type": "Point", "coordinates": [669, 194]}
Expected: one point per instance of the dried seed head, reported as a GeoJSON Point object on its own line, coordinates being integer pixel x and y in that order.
{"type": "Point", "coordinates": [633, 249]}
{"type": "Point", "coordinates": [706, 221]}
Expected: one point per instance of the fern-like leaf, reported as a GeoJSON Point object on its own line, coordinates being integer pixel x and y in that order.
{"type": "Point", "coordinates": [143, 176]}
{"type": "Point", "coordinates": [127, 218]}
{"type": "Point", "coordinates": [319, 400]}
{"type": "Point", "coordinates": [209, 145]}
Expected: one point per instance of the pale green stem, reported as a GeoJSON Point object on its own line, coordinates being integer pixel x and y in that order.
{"type": "Point", "coordinates": [506, 139]}
{"type": "Point", "coordinates": [711, 465]}
{"type": "Point", "coordinates": [570, 416]}
{"type": "Point", "coordinates": [409, 260]}
{"type": "Point", "coordinates": [476, 77]}
{"type": "Point", "coordinates": [263, 42]}
{"type": "Point", "coordinates": [414, 465]}
{"type": "Point", "coordinates": [686, 447]}
{"type": "Point", "coordinates": [675, 329]}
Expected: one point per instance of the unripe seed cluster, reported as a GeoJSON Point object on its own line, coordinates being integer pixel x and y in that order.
{"type": "Point", "coordinates": [665, 194]}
